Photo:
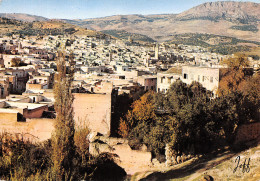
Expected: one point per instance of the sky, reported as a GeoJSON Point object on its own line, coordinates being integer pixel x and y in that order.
{"type": "Point", "coordinates": [82, 9]}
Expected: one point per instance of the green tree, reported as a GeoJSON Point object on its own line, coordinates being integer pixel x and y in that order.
{"type": "Point", "coordinates": [15, 62]}
{"type": "Point", "coordinates": [63, 139]}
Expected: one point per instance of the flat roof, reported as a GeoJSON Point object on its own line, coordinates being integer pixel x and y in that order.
{"type": "Point", "coordinates": [3, 110]}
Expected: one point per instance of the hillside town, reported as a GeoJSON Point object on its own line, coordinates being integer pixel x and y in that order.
{"type": "Point", "coordinates": [105, 69]}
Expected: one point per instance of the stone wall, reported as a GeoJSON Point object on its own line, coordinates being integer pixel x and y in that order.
{"type": "Point", "coordinates": [127, 158]}
{"type": "Point", "coordinates": [33, 129]}
{"type": "Point", "coordinates": [33, 86]}
{"type": "Point", "coordinates": [248, 132]}
{"type": "Point", "coordinates": [93, 110]}
{"type": "Point", "coordinates": [35, 113]}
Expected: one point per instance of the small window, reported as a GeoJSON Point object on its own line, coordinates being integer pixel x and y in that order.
{"type": "Point", "coordinates": [198, 77]}
{"type": "Point", "coordinates": [162, 80]}
{"type": "Point", "coordinates": [211, 79]}
{"type": "Point", "coordinates": [185, 76]}
{"type": "Point", "coordinates": [203, 78]}
{"type": "Point", "coordinates": [158, 89]}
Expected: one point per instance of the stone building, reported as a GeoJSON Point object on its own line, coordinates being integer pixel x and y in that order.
{"type": "Point", "coordinates": [149, 82]}
{"type": "Point", "coordinates": [209, 77]}
{"type": "Point", "coordinates": [164, 81]}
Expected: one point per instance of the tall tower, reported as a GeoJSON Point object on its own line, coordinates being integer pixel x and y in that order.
{"type": "Point", "coordinates": [156, 56]}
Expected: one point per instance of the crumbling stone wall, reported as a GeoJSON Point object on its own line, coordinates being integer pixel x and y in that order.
{"type": "Point", "coordinates": [248, 132]}
{"type": "Point", "coordinates": [127, 157]}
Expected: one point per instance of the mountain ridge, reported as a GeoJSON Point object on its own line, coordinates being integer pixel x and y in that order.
{"type": "Point", "coordinates": [225, 18]}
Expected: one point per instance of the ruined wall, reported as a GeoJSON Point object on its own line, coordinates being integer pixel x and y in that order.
{"type": "Point", "coordinates": [33, 86]}
{"type": "Point", "coordinates": [94, 110]}
{"type": "Point", "coordinates": [33, 129]}
{"type": "Point", "coordinates": [127, 158]}
{"type": "Point", "coordinates": [35, 113]}
{"type": "Point", "coordinates": [248, 132]}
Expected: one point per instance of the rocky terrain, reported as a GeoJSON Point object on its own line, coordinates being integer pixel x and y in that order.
{"type": "Point", "coordinates": [242, 12]}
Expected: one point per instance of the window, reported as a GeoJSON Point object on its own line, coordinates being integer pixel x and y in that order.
{"type": "Point", "coordinates": [162, 80]}
{"type": "Point", "coordinates": [152, 87]}
{"type": "Point", "coordinates": [203, 78]}
{"type": "Point", "coordinates": [198, 77]}
{"type": "Point", "coordinates": [185, 76]}
{"type": "Point", "coordinates": [211, 79]}
{"type": "Point", "coordinates": [158, 89]}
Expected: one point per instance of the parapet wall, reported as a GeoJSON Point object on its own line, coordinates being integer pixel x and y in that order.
{"type": "Point", "coordinates": [93, 110]}
{"type": "Point", "coordinates": [248, 132]}
{"type": "Point", "coordinates": [33, 129]}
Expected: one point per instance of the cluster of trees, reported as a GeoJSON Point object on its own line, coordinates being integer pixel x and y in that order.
{"type": "Point", "coordinates": [17, 62]}
{"type": "Point", "coordinates": [189, 119]}
{"type": "Point", "coordinates": [47, 31]}
{"type": "Point", "coordinates": [10, 21]}
{"type": "Point", "coordinates": [252, 28]}
{"type": "Point", "coordinates": [125, 35]}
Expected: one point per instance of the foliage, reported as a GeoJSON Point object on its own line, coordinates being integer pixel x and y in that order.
{"type": "Point", "coordinates": [63, 139]}
{"type": "Point", "coordinates": [141, 120]}
{"type": "Point", "coordinates": [189, 119]}
{"type": "Point", "coordinates": [255, 57]}
{"type": "Point", "coordinates": [234, 75]}
{"type": "Point", "coordinates": [20, 158]}
{"type": "Point", "coordinates": [125, 35]}
{"type": "Point", "coordinates": [245, 28]}
{"type": "Point", "coordinates": [123, 128]}
{"type": "Point", "coordinates": [15, 62]}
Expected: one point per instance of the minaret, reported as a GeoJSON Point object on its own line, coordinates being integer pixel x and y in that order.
{"type": "Point", "coordinates": [156, 52]}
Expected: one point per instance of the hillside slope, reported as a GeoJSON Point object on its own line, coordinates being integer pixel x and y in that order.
{"type": "Point", "coordinates": [12, 26]}
{"type": "Point", "coordinates": [23, 17]}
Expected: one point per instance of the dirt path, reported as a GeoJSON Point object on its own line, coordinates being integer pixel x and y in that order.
{"type": "Point", "coordinates": [219, 166]}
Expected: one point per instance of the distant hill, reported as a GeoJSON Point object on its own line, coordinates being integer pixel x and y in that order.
{"type": "Point", "coordinates": [23, 17]}
{"type": "Point", "coordinates": [125, 35]}
{"type": "Point", "coordinates": [236, 19]}
{"type": "Point", "coordinates": [241, 12]}
{"type": "Point", "coordinates": [215, 43]}
{"type": "Point", "coordinates": [239, 20]}
{"type": "Point", "coordinates": [54, 27]}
